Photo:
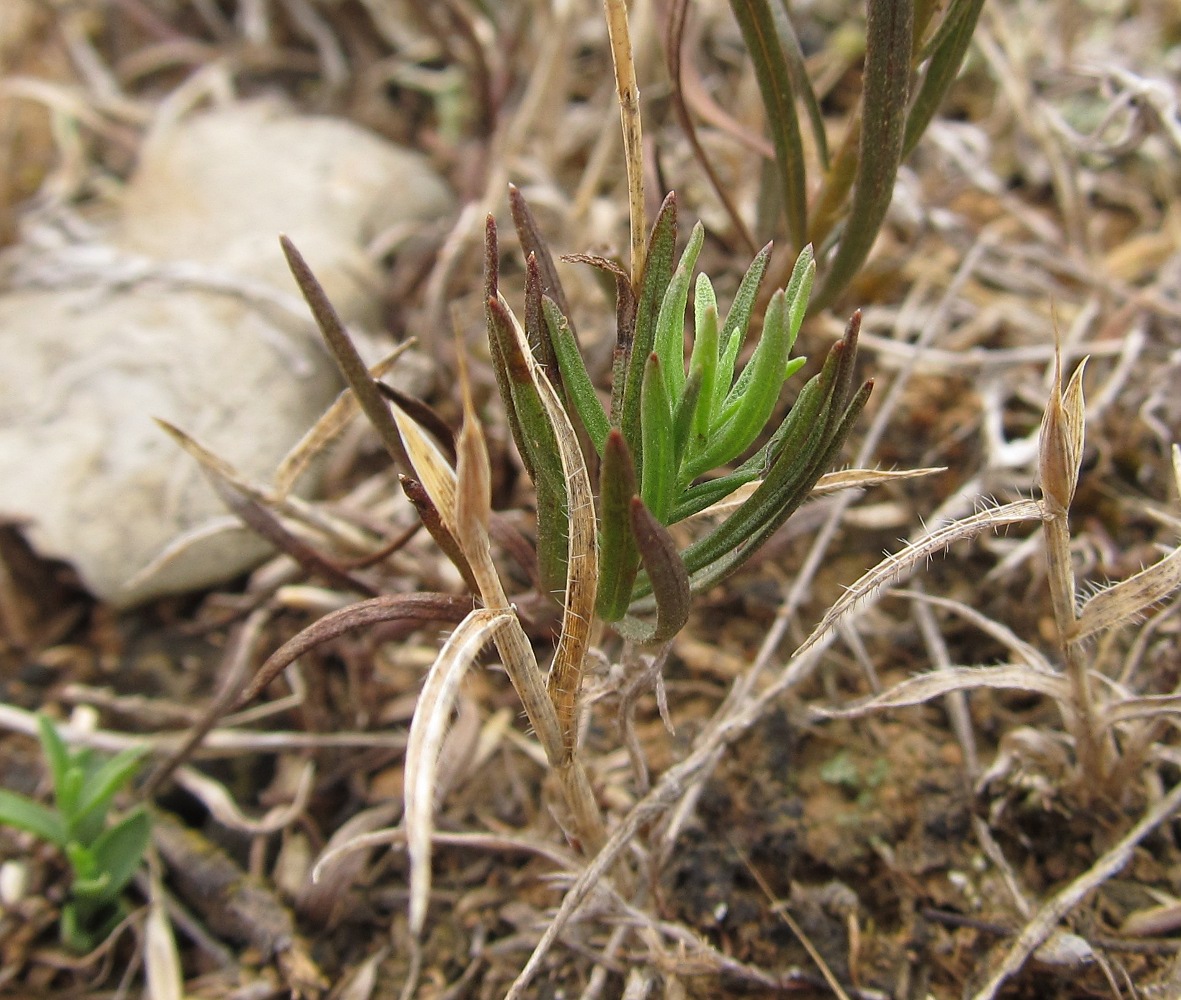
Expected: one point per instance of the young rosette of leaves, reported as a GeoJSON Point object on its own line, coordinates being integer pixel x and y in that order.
{"type": "Point", "coordinates": [671, 425]}
{"type": "Point", "coordinates": [103, 856]}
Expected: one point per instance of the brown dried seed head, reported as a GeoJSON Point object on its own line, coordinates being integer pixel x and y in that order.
{"type": "Point", "coordinates": [1060, 449]}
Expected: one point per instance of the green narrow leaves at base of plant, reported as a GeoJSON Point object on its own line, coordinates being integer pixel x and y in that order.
{"type": "Point", "coordinates": [674, 423]}
{"type": "Point", "coordinates": [103, 856]}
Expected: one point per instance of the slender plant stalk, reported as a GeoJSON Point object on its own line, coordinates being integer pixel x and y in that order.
{"type": "Point", "coordinates": [629, 114]}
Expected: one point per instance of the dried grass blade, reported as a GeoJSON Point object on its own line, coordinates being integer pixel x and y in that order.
{"type": "Point", "coordinates": [1066, 898]}
{"type": "Point", "coordinates": [1126, 600]}
{"type": "Point", "coordinates": [927, 687]}
{"type": "Point", "coordinates": [430, 466]}
{"type": "Point", "coordinates": [165, 981]}
{"type": "Point", "coordinates": [334, 420]}
{"type": "Point", "coordinates": [846, 479]}
{"type": "Point", "coordinates": [582, 566]}
{"type": "Point", "coordinates": [429, 726]}
{"type": "Point", "coordinates": [897, 564]}
{"type": "Point", "coordinates": [390, 607]}
{"type": "Point", "coordinates": [425, 415]}
{"type": "Point", "coordinates": [432, 520]}
{"type": "Point", "coordinates": [243, 500]}
{"type": "Point", "coordinates": [355, 373]}
{"type": "Point", "coordinates": [628, 94]}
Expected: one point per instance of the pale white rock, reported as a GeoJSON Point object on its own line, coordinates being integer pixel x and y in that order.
{"type": "Point", "coordinates": [181, 308]}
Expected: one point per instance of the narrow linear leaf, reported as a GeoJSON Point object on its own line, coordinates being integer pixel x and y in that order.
{"type": "Point", "coordinates": [793, 53]}
{"type": "Point", "coordinates": [669, 342]}
{"type": "Point", "coordinates": [738, 318]}
{"type": "Point", "coordinates": [57, 754]}
{"type": "Point", "coordinates": [417, 608]}
{"type": "Point", "coordinates": [575, 377]}
{"type": "Point", "coordinates": [102, 786]}
{"type": "Point", "coordinates": [886, 87]}
{"type": "Point", "coordinates": [582, 574]}
{"type": "Point", "coordinates": [684, 415]}
{"type": "Point", "coordinates": [119, 852]}
{"type": "Point", "coordinates": [533, 242]}
{"type": "Point", "coordinates": [423, 414]}
{"type": "Point", "coordinates": [432, 716]}
{"type": "Point", "coordinates": [334, 420]}
{"type": "Point", "coordinates": [658, 268]}
{"type": "Point", "coordinates": [667, 575]}
{"type": "Point", "coordinates": [536, 332]}
{"type": "Point", "coordinates": [25, 814]}
{"type": "Point", "coordinates": [658, 478]}
{"type": "Point", "coordinates": [802, 438]}
{"type": "Point", "coordinates": [770, 512]}
{"type": "Point", "coordinates": [340, 345]}
{"type": "Point", "coordinates": [798, 291]}
{"type": "Point", "coordinates": [703, 366]}
{"type": "Point", "coordinates": [473, 501]}
{"type": "Point", "coordinates": [751, 403]}
{"type": "Point", "coordinates": [757, 22]}
{"type": "Point", "coordinates": [1128, 599]}
{"type": "Point", "coordinates": [432, 520]}
{"type": "Point", "coordinates": [945, 54]}
{"type": "Point", "coordinates": [243, 501]}
{"type": "Point", "coordinates": [617, 547]}
{"type": "Point", "coordinates": [536, 442]}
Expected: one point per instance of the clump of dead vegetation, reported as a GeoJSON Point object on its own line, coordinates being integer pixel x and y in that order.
{"type": "Point", "coordinates": [1054, 697]}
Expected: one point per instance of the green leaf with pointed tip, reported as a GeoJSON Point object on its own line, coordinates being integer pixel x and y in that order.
{"type": "Point", "coordinates": [704, 360]}
{"type": "Point", "coordinates": [669, 343]}
{"type": "Point", "coordinates": [683, 417]}
{"type": "Point", "coordinates": [798, 291]}
{"type": "Point", "coordinates": [619, 558]}
{"type": "Point", "coordinates": [658, 269]}
{"type": "Point", "coordinates": [533, 242]}
{"type": "Point", "coordinates": [101, 786]}
{"type": "Point", "coordinates": [344, 352]}
{"type": "Point", "coordinates": [57, 754]}
{"type": "Point", "coordinates": [119, 852]}
{"type": "Point", "coordinates": [580, 390]}
{"type": "Point", "coordinates": [750, 405]}
{"type": "Point", "coordinates": [697, 498]}
{"type": "Point", "coordinates": [537, 445]}
{"type": "Point", "coordinates": [25, 814]}
{"type": "Point", "coordinates": [668, 578]}
{"type": "Point", "coordinates": [796, 300]}
{"type": "Point", "coordinates": [658, 479]}
{"type": "Point", "coordinates": [789, 502]}
{"type": "Point", "coordinates": [536, 331]}
{"type": "Point", "coordinates": [802, 439]}
{"type": "Point", "coordinates": [734, 331]}
{"type": "Point", "coordinates": [945, 54]}
{"type": "Point", "coordinates": [822, 411]}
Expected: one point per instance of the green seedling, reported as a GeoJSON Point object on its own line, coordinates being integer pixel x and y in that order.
{"type": "Point", "coordinates": [677, 436]}
{"type": "Point", "coordinates": [103, 855]}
